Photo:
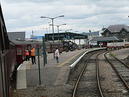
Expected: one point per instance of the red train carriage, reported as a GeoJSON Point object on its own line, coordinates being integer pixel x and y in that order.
{"type": "Point", "coordinates": [19, 53]}
{"type": "Point", "coordinates": [21, 46]}
{"type": "Point", "coordinates": [62, 46]}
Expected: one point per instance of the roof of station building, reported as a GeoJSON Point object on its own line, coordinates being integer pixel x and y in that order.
{"type": "Point", "coordinates": [117, 28]}
{"type": "Point", "coordinates": [105, 39]}
{"type": "Point", "coordinates": [64, 35]}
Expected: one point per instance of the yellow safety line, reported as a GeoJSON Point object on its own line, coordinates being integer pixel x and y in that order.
{"type": "Point", "coordinates": [63, 63]}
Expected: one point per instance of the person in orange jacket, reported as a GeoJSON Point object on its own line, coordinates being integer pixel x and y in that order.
{"type": "Point", "coordinates": [33, 56]}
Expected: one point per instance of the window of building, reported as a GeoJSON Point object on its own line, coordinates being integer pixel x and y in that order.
{"type": "Point", "coordinates": [123, 33]}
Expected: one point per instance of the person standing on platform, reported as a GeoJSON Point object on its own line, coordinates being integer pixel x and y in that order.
{"type": "Point", "coordinates": [57, 55]}
{"type": "Point", "coordinates": [33, 56]}
{"type": "Point", "coordinates": [27, 55]}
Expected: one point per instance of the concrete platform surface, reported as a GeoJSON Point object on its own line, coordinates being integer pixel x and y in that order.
{"type": "Point", "coordinates": [53, 77]}
{"type": "Point", "coordinates": [51, 74]}
{"type": "Point", "coordinates": [121, 53]}
{"type": "Point", "coordinates": [28, 74]}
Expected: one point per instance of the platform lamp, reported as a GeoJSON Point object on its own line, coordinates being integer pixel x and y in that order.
{"type": "Point", "coordinates": [52, 19]}
{"type": "Point", "coordinates": [58, 29]}
{"type": "Point", "coordinates": [68, 33]}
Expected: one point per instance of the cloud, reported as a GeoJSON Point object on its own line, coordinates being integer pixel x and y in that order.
{"type": "Point", "coordinates": [80, 15]}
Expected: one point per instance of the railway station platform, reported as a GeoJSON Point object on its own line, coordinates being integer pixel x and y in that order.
{"type": "Point", "coordinates": [52, 74]}
{"type": "Point", "coordinates": [121, 53]}
{"type": "Point", "coordinates": [27, 75]}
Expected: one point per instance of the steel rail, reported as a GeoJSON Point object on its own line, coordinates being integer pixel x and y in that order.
{"type": "Point", "coordinates": [78, 80]}
{"type": "Point", "coordinates": [120, 61]}
{"type": "Point", "coordinates": [118, 74]}
{"type": "Point", "coordinates": [98, 77]}
{"type": "Point", "coordinates": [79, 77]}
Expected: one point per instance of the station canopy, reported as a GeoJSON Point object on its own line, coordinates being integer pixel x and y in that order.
{"type": "Point", "coordinates": [64, 36]}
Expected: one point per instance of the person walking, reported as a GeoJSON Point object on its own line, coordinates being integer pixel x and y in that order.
{"type": "Point", "coordinates": [33, 56]}
{"type": "Point", "coordinates": [57, 55]}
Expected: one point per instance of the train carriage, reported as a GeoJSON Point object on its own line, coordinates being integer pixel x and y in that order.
{"type": "Point", "coordinates": [117, 45]}
{"type": "Point", "coordinates": [21, 46]}
{"type": "Point", "coordinates": [7, 60]}
{"type": "Point", "coordinates": [62, 46]}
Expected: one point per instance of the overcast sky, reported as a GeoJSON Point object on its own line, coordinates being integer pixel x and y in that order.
{"type": "Point", "coordinates": [80, 15]}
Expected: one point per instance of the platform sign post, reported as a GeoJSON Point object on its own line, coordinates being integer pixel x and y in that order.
{"type": "Point", "coordinates": [39, 66]}
{"type": "Point", "coordinates": [44, 52]}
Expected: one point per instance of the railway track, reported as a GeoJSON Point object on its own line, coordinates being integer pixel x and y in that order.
{"type": "Point", "coordinates": [89, 79]}
{"type": "Point", "coordinates": [98, 77]}
{"type": "Point", "coordinates": [120, 68]}
{"type": "Point", "coordinates": [95, 82]}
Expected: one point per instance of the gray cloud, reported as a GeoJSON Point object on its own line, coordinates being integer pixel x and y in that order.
{"type": "Point", "coordinates": [79, 14]}
{"type": "Point", "coordinates": [35, 1]}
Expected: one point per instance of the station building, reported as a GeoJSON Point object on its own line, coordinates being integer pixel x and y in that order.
{"type": "Point", "coordinates": [119, 31]}
{"type": "Point", "coordinates": [67, 36]}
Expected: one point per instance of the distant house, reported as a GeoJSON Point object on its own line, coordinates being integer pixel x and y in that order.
{"type": "Point", "coordinates": [119, 31]}
{"type": "Point", "coordinates": [16, 35]}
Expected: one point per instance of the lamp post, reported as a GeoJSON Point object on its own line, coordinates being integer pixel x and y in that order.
{"type": "Point", "coordinates": [68, 33]}
{"type": "Point", "coordinates": [90, 35]}
{"type": "Point", "coordinates": [68, 30]}
{"type": "Point", "coordinates": [58, 29]}
{"type": "Point", "coordinates": [52, 19]}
